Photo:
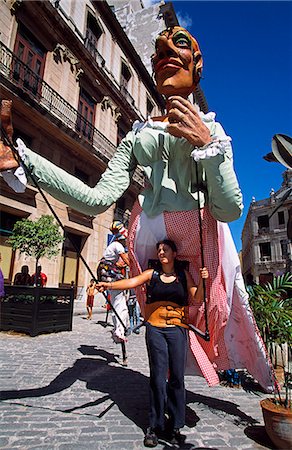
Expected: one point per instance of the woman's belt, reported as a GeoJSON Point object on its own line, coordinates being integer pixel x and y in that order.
{"type": "Point", "coordinates": [165, 314]}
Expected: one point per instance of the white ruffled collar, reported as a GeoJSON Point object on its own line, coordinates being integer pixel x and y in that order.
{"type": "Point", "coordinates": [159, 125]}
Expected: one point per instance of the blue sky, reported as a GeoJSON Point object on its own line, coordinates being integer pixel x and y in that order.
{"type": "Point", "coordinates": [247, 80]}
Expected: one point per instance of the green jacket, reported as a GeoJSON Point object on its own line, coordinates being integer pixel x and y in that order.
{"type": "Point", "coordinates": [170, 170]}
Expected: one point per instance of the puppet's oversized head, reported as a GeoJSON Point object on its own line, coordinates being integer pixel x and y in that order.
{"type": "Point", "coordinates": [177, 62]}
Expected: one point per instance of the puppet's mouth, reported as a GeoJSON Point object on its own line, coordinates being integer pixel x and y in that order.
{"type": "Point", "coordinates": [166, 63]}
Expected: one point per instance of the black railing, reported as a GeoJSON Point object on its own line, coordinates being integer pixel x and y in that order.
{"type": "Point", "coordinates": [18, 73]}
{"type": "Point", "coordinates": [28, 81]}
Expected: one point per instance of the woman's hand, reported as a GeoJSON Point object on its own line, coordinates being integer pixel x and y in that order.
{"type": "Point", "coordinates": [102, 286]}
{"type": "Point", "coordinates": [184, 121]}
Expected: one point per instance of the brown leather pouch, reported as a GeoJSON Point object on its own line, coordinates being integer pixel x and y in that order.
{"type": "Point", "coordinates": [7, 159]}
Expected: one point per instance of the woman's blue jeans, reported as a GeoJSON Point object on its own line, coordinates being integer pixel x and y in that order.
{"type": "Point", "coordinates": [167, 351]}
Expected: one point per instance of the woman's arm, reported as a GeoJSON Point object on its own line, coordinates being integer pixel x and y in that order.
{"type": "Point", "coordinates": [192, 288]}
{"type": "Point", "coordinates": [199, 295]}
{"type": "Point", "coordinates": [196, 292]}
{"type": "Point", "coordinates": [129, 283]}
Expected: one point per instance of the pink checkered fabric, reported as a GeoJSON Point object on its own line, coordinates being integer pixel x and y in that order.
{"type": "Point", "coordinates": [183, 228]}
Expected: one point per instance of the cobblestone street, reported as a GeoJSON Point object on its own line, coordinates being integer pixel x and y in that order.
{"type": "Point", "coordinates": [69, 391]}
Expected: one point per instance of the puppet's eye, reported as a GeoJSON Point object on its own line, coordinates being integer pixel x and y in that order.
{"type": "Point", "coordinates": [181, 39]}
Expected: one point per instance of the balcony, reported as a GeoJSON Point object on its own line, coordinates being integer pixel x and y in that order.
{"type": "Point", "coordinates": [44, 98]}
{"type": "Point", "coordinates": [264, 230]}
{"type": "Point", "coordinates": [266, 258]}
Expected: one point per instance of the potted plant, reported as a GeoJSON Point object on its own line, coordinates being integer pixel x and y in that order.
{"type": "Point", "coordinates": [272, 308]}
{"type": "Point", "coordinates": [36, 310]}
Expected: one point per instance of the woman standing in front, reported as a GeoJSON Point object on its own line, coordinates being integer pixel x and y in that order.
{"type": "Point", "coordinates": [166, 314]}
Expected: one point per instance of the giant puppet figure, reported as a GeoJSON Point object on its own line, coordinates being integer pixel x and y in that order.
{"type": "Point", "coordinates": [187, 158]}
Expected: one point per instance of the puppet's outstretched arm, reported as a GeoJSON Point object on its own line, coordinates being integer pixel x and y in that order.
{"type": "Point", "coordinates": [73, 192]}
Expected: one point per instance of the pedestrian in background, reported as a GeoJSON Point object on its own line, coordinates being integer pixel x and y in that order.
{"type": "Point", "coordinates": [134, 311]}
{"type": "Point", "coordinates": [23, 277]}
{"type": "Point", "coordinates": [113, 267]}
{"type": "Point", "coordinates": [2, 293]}
{"type": "Point", "coordinates": [40, 278]}
{"type": "Point", "coordinates": [90, 291]}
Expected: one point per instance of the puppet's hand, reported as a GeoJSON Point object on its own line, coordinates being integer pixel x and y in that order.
{"type": "Point", "coordinates": [16, 179]}
{"type": "Point", "coordinates": [184, 121]}
{"type": "Point", "coordinates": [204, 273]}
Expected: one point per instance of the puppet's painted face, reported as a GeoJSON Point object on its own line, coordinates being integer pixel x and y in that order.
{"type": "Point", "coordinates": [173, 62]}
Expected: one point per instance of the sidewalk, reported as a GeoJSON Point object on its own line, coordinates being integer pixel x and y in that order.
{"type": "Point", "coordinates": [68, 391]}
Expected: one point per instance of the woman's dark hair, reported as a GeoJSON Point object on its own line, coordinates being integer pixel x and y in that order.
{"type": "Point", "coordinates": [168, 242]}
{"type": "Point", "coordinates": [173, 247]}
{"type": "Point", "coordinates": [179, 265]}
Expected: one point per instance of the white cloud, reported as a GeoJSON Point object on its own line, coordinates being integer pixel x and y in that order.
{"type": "Point", "coordinates": [185, 20]}
{"type": "Point", "coordinates": [148, 3]}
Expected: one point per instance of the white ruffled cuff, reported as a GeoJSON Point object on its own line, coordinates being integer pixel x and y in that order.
{"type": "Point", "coordinates": [16, 179]}
{"type": "Point", "coordinates": [216, 147]}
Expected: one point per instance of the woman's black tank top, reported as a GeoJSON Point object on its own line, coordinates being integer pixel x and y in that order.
{"type": "Point", "coordinates": [173, 292]}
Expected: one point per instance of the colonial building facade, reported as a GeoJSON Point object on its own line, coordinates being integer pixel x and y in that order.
{"type": "Point", "coordinates": [266, 248]}
{"type": "Point", "coordinates": [77, 85]}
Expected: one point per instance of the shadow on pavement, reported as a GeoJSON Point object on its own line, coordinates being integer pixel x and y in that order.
{"type": "Point", "coordinates": [258, 434]}
{"type": "Point", "coordinates": [222, 407]}
{"type": "Point", "coordinates": [126, 388]}
{"type": "Point", "coordinates": [187, 446]}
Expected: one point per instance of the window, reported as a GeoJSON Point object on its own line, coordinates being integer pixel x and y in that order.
{"type": "Point", "coordinates": [121, 213]}
{"type": "Point", "coordinates": [281, 218]}
{"type": "Point", "coordinates": [70, 259]}
{"type": "Point", "coordinates": [28, 67]}
{"type": "Point", "coordinates": [266, 278]}
{"type": "Point", "coordinates": [81, 175]}
{"type": "Point", "coordinates": [7, 223]}
{"type": "Point", "coordinates": [121, 132]}
{"type": "Point", "coordinates": [265, 251]}
{"type": "Point", "coordinates": [263, 222]}
{"type": "Point", "coordinates": [93, 33]}
{"type": "Point", "coordinates": [24, 137]}
{"type": "Point", "coordinates": [86, 115]}
{"type": "Point", "coordinates": [284, 248]}
{"type": "Point", "coordinates": [125, 76]}
{"type": "Point", "coordinates": [149, 107]}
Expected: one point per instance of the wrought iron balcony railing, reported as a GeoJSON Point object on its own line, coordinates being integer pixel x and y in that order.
{"type": "Point", "coordinates": [22, 76]}
{"type": "Point", "coordinates": [28, 81]}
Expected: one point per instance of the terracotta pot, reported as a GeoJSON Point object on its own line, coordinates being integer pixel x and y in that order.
{"type": "Point", "coordinates": [278, 423]}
